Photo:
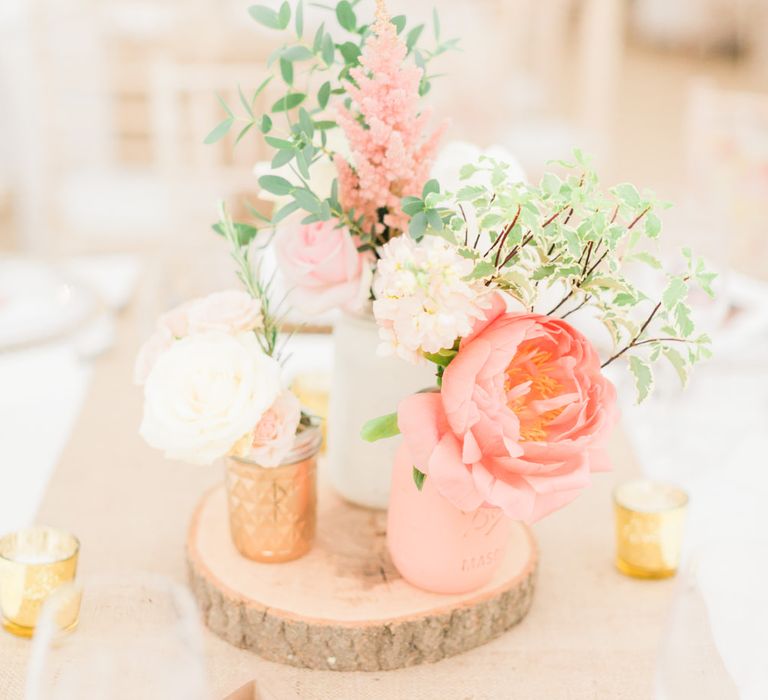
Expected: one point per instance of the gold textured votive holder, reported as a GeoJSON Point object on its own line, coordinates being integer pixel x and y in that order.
{"type": "Point", "coordinates": [650, 516]}
{"type": "Point", "coordinates": [34, 563]}
{"type": "Point", "coordinates": [273, 511]}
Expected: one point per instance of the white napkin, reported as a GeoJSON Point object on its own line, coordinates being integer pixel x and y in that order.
{"type": "Point", "coordinates": [43, 389]}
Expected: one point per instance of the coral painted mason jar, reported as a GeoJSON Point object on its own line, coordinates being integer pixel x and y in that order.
{"type": "Point", "coordinates": [434, 545]}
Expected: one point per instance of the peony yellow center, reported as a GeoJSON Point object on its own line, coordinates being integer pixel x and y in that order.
{"type": "Point", "coordinates": [534, 365]}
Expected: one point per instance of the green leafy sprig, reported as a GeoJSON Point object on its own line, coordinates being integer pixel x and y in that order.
{"type": "Point", "coordinates": [568, 234]}
{"type": "Point", "coordinates": [249, 273]}
{"type": "Point", "coordinates": [313, 70]}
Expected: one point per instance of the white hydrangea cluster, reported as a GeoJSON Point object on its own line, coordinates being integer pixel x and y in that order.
{"type": "Point", "coordinates": [423, 300]}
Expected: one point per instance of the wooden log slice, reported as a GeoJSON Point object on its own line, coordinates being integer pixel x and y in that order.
{"type": "Point", "coordinates": [344, 606]}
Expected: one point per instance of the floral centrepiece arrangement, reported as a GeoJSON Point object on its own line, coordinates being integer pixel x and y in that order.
{"type": "Point", "coordinates": [487, 292]}
{"type": "Point", "coordinates": [213, 390]}
{"type": "Point", "coordinates": [486, 277]}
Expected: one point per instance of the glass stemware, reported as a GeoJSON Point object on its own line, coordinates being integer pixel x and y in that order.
{"type": "Point", "coordinates": [136, 637]}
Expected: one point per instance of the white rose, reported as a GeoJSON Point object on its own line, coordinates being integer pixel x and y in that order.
{"type": "Point", "coordinates": [205, 392]}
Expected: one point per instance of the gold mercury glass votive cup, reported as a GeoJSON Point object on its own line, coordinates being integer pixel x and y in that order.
{"type": "Point", "coordinates": [34, 563]}
{"type": "Point", "coordinates": [649, 528]}
{"type": "Point", "coordinates": [273, 511]}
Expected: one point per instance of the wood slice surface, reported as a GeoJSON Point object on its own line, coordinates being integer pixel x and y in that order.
{"type": "Point", "coordinates": [344, 606]}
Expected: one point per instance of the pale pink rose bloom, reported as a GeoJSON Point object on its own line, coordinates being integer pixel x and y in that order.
{"type": "Point", "coordinates": [230, 311]}
{"type": "Point", "coordinates": [275, 433]}
{"type": "Point", "coordinates": [176, 321]}
{"type": "Point", "coordinates": [322, 266]}
{"type": "Point", "coordinates": [521, 420]}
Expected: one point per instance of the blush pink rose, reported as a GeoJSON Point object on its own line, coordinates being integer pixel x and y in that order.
{"type": "Point", "coordinates": [275, 433]}
{"type": "Point", "coordinates": [521, 420]}
{"type": "Point", "coordinates": [321, 263]}
{"type": "Point", "coordinates": [230, 311]}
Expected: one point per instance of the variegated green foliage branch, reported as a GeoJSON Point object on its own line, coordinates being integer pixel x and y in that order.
{"type": "Point", "coordinates": [568, 234]}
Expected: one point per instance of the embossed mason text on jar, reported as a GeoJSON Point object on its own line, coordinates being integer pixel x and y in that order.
{"type": "Point", "coordinates": [434, 545]}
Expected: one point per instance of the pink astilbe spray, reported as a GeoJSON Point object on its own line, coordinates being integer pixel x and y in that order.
{"type": "Point", "coordinates": [392, 156]}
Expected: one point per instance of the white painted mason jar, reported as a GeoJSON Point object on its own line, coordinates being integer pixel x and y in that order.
{"type": "Point", "coordinates": [365, 386]}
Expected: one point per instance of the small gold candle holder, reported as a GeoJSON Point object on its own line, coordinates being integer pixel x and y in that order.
{"type": "Point", "coordinates": [273, 511]}
{"type": "Point", "coordinates": [312, 389]}
{"type": "Point", "coordinates": [649, 528]}
{"type": "Point", "coordinates": [34, 563]}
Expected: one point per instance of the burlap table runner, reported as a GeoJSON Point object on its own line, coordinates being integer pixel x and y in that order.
{"type": "Point", "coordinates": [592, 633]}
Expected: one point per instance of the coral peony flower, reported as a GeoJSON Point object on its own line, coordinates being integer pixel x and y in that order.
{"type": "Point", "coordinates": [205, 392]}
{"type": "Point", "coordinates": [274, 435]}
{"type": "Point", "coordinates": [521, 419]}
{"type": "Point", "coordinates": [322, 264]}
{"type": "Point", "coordinates": [423, 301]}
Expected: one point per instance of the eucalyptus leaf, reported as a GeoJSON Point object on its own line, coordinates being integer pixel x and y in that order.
{"type": "Point", "coordinates": [328, 50]}
{"type": "Point", "coordinates": [265, 16]}
{"type": "Point", "coordinates": [288, 102]}
{"type": "Point", "coordinates": [286, 71]}
{"type": "Point", "coordinates": [276, 184]}
{"type": "Point", "coordinates": [350, 52]}
{"type": "Point", "coordinates": [244, 131]}
{"type": "Point", "coordinates": [282, 158]}
{"type": "Point", "coordinates": [219, 131]}
{"type": "Point", "coordinates": [413, 37]}
{"type": "Point", "coordinates": [317, 42]}
{"type": "Point", "coordinates": [284, 15]}
{"type": "Point", "coordinates": [284, 211]}
{"type": "Point", "coordinates": [324, 94]}
{"type": "Point", "coordinates": [399, 22]}
{"type": "Point", "coordinates": [296, 53]}
{"type": "Point", "coordinates": [346, 15]}
{"type": "Point", "coordinates": [299, 19]}
{"type": "Point", "coordinates": [307, 200]}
